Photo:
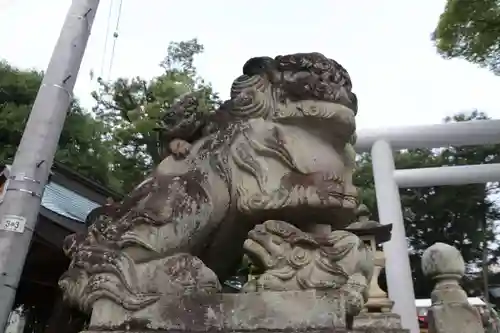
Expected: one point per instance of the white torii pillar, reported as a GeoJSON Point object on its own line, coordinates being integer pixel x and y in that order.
{"type": "Point", "coordinates": [381, 143]}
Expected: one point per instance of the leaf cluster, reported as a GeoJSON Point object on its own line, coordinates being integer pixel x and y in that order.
{"type": "Point", "coordinates": [133, 108]}
{"type": "Point", "coordinates": [470, 29]}
{"type": "Point", "coordinates": [80, 145]}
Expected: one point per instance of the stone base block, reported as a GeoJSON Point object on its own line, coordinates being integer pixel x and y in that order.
{"type": "Point", "coordinates": [372, 319]}
{"type": "Point", "coordinates": [379, 330]}
{"type": "Point", "coordinates": [261, 312]}
{"type": "Point", "coordinates": [340, 330]}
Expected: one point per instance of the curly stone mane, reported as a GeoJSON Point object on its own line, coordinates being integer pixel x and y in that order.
{"type": "Point", "coordinates": [313, 76]}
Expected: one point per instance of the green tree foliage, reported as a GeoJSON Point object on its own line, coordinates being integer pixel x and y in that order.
{"type": "Point", "coordinates": [17, 92]}
{"type": "Point", "coordinates": [80, 144]}
{"type": "Point", "coordinates": [470, 29]}
{"type": "Point", "coordinates": [452, 214]}
{"type": "Point", "coordinates": [133, 107]}
{"type": "Point", "coordinates": [117, 145]}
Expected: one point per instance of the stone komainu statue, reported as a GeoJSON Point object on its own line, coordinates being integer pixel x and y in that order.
{"type": "Point", "coordinates": [279, 149]}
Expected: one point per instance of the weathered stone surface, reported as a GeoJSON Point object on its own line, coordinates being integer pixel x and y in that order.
{"type": "Point", "coordinates": [442, 259]}
{"type": "Point", "coordinates": [454, 318]}
{"type": "Point", "coordinates": [340, 330]}
{"type": "Point", "coordinates": [378, 300]}
{"type": "Point", "coordinates": [263, 311]}
{"type": "Point", "coordinates": [310, 330]}
{"type": "Point", "coordinates": [379, 330]}
{"type": "Point", "coordinates": [450, 311]}
{"type": "Point", "coordinates": [368, 321]}
{"type": "Point", "coordinates": [297, 260]}
{"type": "Point", "coordinates": [373, 233]}
{"type": "Point", "coordinates": [280, 148]}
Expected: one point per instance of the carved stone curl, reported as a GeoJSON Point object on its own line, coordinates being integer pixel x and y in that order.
{"type": "Point", "coordinates": [100, 270]}
{"type": "Point", "coordinates": [296, 260]}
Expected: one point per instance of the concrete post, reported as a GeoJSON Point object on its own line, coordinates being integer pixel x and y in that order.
{"type": "Point", "coordinates": [397, 269]}
{"type": "Point", "coordinates": [35, 154]}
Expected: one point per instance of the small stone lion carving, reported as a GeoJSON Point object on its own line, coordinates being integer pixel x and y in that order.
{"type": "Point", "coordinates": [296, 260]}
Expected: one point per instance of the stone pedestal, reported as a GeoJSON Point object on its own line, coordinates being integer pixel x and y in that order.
{"type": "Point", "coordinates": [369, 321]}
{"type": "Point", "coordinates": [450, 311]}
{"type": "Point", "coordinates": [379, 330]}
{"type": "Point", "coordinates": [302, 311]}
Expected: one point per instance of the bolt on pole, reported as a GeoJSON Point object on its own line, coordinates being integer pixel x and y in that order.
{"type": "Point", "coordinates": [35, 154]}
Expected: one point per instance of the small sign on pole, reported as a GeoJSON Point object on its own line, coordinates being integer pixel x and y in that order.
{"type": "Point", "coordinates": [13, 223]}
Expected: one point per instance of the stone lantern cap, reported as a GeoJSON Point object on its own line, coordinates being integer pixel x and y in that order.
{"type": "Point", "coordinates": [366, 227]}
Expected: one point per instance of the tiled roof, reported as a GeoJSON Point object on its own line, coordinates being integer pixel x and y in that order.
{"type": "Point", "coordinates": [66, 202]}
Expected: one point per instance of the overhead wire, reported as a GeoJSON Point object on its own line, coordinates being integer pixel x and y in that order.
{"type": "Point", "coordinates": [115, 36]}
{"type": "Point", "coordinates": [108, 26]}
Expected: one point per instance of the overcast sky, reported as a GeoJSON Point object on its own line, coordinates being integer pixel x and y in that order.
{"type": "Point", "coordinates": [384, 44]}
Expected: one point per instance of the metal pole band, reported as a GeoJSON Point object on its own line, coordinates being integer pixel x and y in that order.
{"type": "Point", "coordinates": [32, 193]}
{"type": "Point", "coordinates": [70, 95]}
{"type": "Point", "coordinates": [22, 177]}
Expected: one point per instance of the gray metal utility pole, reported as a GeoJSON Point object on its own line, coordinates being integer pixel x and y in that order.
{"type": "Point", "coordinates": [35, 154]}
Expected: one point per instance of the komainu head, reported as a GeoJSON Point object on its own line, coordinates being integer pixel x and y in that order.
{"type": "Point", "coordinates": [306, 76]}
{"type": "Point", "coordinates": [295, 260]}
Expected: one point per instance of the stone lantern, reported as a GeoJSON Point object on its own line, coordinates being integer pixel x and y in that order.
{"type": "Point", "coordinates": [373, 234]}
